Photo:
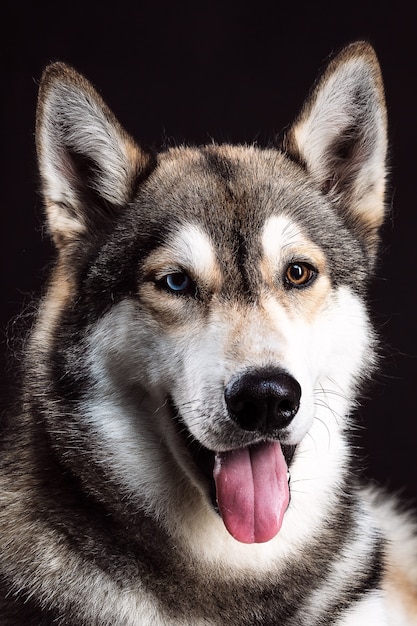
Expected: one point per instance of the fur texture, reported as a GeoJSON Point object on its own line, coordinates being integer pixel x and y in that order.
{"type": "Point", "coordinates": [181, 451]}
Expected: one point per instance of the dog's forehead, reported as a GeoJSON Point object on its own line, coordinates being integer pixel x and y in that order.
{"type": "Point", "coordinates": [233, 191]}
{"type": "Point", "coordinates": [230, 187]}
{"type": "Point", "coordinates": [229, 174]}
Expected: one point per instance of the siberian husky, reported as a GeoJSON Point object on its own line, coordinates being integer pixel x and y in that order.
{"type": "Point", "coordinates": [180, 455]}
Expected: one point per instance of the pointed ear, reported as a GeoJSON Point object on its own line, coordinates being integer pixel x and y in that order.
{"type": "Point", "coordinates": [89, 165]}
{"type": "Point", "coordinates": [340, 137]}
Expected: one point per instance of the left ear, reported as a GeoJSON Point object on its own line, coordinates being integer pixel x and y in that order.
{"type": "Point", "coordinates": [340, 137]}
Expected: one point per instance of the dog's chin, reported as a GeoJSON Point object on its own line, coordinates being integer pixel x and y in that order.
{"type": "Point", "coordinates": [203, 459]}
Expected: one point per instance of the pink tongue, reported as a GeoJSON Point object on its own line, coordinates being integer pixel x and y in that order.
{"type": "Point", "coordinates": [252, 491]}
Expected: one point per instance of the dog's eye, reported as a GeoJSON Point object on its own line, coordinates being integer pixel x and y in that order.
{"type": "Point", "coordinates": [178, 283]}
{"type": "Point", "coordinates": [299, 274]}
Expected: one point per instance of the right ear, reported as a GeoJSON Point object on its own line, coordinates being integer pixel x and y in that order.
{"type": "Point", "coordinates": [89, 165]}
{"type": "Point", "coordinates": [340, 137]}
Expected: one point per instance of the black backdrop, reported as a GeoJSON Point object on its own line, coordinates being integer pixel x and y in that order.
{"type": "Point", "coordinates": [229, 71]}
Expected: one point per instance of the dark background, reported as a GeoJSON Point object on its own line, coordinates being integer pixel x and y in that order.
{"type": "Point", "coordinates": [233, 72]}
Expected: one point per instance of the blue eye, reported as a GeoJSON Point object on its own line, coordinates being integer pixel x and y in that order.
{"type": "Point", "coordinates": [179, 283]}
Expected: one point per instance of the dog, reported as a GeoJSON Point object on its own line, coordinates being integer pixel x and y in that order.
{"type": "Point", "coordinates": [181, 454]}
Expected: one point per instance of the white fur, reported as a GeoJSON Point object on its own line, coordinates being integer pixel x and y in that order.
{"type": "Point", "coordinates": [371, 611]}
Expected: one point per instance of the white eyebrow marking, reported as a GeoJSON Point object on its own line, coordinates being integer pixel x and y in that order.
{"type": "Point", "coordinates": [192, 248]}
{"type": "Point", "coordinates": [188, 249]}
{"type": "Point", "coordinates": [279, 233]}
{"type": "Point", "coordinates": [283, 240]}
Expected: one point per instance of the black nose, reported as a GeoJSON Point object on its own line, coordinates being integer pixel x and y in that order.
{"type": "Point", "coordinates": [263, 400]}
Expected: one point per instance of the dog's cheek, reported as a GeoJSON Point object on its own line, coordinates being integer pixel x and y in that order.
{"type": "Point", "coordinates": [327, 350]}
{"type": "Point", "coordinates": [343, 341]}
{"type": "Point", "coordinates": [124, 351]}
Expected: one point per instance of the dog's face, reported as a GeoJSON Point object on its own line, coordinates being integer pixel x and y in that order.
{"type": "Point", "coordinates": [208, 301]}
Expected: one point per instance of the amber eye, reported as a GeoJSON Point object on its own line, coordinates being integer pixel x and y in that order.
{"type": "Point", "coordinates": [299, 274]}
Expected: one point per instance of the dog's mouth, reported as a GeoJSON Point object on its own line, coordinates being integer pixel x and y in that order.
{"type": "Point", "coordinates": [248, 486]}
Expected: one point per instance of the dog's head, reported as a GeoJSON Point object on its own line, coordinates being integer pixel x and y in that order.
{"type": "Point", "coordinates": [207, 303]}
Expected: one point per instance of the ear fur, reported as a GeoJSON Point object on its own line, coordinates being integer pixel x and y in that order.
{"type": "Point", "coordinates": [340, 137]}
{"type": "Point", "coordinates": [87, 162]}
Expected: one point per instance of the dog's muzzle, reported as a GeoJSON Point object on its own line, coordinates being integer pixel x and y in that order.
{"type": "Point", "coordinates": [249, 482]}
